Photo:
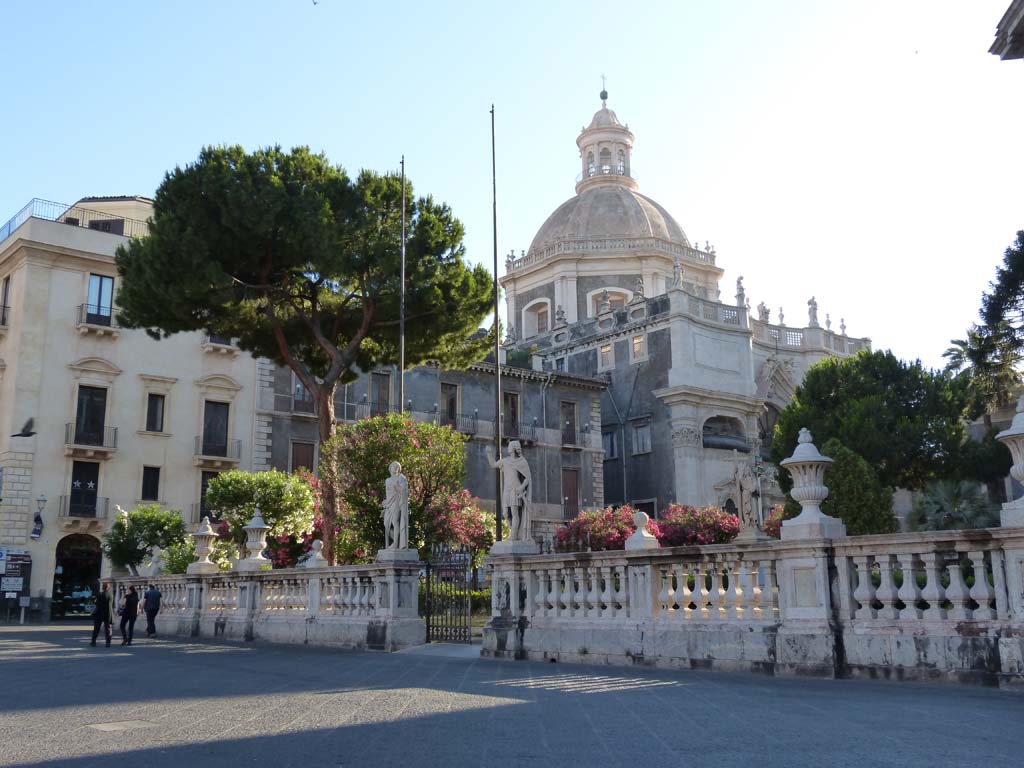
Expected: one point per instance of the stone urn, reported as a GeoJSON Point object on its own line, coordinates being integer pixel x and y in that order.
{"type": "Point", "coordinates": [1012, 513]}
{"type": "Point", "coordinates": [255, 543]}
{"type": "Point", "coordinates": [807, 466]}
{"type": "Point", "coordinates": [204, 538]}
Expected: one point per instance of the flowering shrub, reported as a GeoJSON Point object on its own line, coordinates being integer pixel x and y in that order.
{"type": "Point", "coordinates": [599, 531]}
{"type": "Point", "coordinates": [773, 523]}
{"type": "Point", "coordinates": [456, 518]}
{"type": "Point", "coordinates": [356, 458]}
{"type": "Point", "coordinates": [683, 525]}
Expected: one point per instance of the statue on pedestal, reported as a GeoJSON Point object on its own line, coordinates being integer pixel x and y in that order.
{"type": "Point", "coordinates": [396, 509]}
{"type": "Point", "coordinates": [763, 313]}
{"type": "Point", "coordinates": [812, 313]}
{"type": "Point", "coordinates": [743, 485]}
{"type": "Point", "coordinates": [515, 490]}
{"type": "Point", "coordinates": [741, 295]}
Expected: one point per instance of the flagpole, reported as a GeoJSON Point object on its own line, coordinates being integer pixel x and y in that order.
{"type": "Point", "coordinates": [497, 343]}
{"type": "Point", "coordinates": [401, 309]}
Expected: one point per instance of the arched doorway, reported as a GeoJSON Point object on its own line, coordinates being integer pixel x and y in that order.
{"type": "Point", "coordinates": [75, 576]}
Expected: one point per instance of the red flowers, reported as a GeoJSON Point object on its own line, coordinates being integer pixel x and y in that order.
{"type": "Point", "coordinates": [608, 529]}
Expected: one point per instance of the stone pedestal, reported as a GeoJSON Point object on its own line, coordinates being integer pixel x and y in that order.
{"type": "Point", "coordinates": [515, 547]}
{"type": "Point", "coordinates": [1012, 513]}
{"type": "Point", "coordinates": [398, 556]}
{"type": "Point", "coordinates": [642, 538]}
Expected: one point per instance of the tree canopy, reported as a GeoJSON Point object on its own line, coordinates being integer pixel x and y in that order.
{"type": "Point", "coordinates": [855, 495]}
{"type": "Point", "coordinates": [285, 502]}
{"type": "Point", "coordinates": [1002, 306]}
{"type": "Point", "coordinates": [299, 263]}
{"type": "Point", "coordinates": [134, 535]}
{"type": "Point", "coordinates": [902, 419]}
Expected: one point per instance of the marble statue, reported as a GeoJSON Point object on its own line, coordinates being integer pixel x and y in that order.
{"type": "Point", "coordinates": [396, 509]}
{"type": "Point", "coordinates": [606, 303]}
{"type": "Point", "coordinates": [828, 322]}
{"type": "Point", "coordinates": [741, 296]}
{"type": "Point", "coordinates": [677, 273]}
{"type": "Point", "coordinates": [812, 313]}
{"type": "Point", "coordinates": [559, 315]}
{"type": "Point", "coordinates": [315, 557]}
{"type": "Point", "coordinates": [639, 288]}
{"type": "Point", "coordinates": [763, 313]}
{"type": "Point", "coordinates": [782, 317]}
{"type": "Point", "coordinates": [510, 334]}
{"type": "Point", "coordinates": [842, 326]}
{"type": "Point", "coordinates": [743, 485]}
{"type": "Point", "coordinates": [516, 484]}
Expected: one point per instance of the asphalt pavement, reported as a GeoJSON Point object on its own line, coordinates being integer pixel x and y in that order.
{"type": "Point", "coordinates": [172, 702]}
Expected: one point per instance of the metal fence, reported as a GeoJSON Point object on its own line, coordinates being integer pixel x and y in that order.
{"type": "Point", "coordinates": [101, 437]}
{"type": "Point", "coordinates": [75, 216]}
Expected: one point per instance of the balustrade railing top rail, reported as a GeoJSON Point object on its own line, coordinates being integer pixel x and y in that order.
{"type": "Point", "coordinates": [592, 244]}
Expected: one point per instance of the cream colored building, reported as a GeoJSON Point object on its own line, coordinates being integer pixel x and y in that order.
{"type": "Point", "coordinates": [119, 418]}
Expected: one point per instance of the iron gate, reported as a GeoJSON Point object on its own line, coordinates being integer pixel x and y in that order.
{"type": "Point", "coordinates": [448, 594]}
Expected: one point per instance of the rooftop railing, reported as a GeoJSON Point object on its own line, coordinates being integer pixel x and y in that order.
{"type": "Point", "coordinates": [606, 170]}
{"type": "Point", "coordinates": [608, 244]}
{"type": "Point", "coordinates": [75, 216]}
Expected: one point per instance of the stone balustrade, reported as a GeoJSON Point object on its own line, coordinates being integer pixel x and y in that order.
{"type": "Point", "coordinates": [935, 605]}
{"type": "Point", "coordinates": [356, 606]}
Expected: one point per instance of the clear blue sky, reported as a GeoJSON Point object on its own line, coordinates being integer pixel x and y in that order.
{"type": "Point", "coordinates": [867, 153]}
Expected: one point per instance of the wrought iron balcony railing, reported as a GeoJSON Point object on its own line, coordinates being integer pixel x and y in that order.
{"type": "Point", "coordinates": [222, 448]}
{"type": "Point", "coordinates": [4, 311]}
{"type": "Point", "coordinates": [466, 423]}
{"type": "Point", "coordinates": [96, 314]}
{"type": "Point", "coordinates": [570, 511]}
{"type": "Point", "coordinates": [98, 437]}
{"type": "Point", "coordinates": [76, 506]}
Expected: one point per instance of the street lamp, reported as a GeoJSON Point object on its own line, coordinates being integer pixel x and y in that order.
{"type": "Point", "coordinates": [37, 524]}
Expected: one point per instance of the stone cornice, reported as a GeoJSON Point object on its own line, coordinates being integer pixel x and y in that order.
{"type": "Point", "coordinates": [686, 394]}
{"type": "Point", "coordinates": [552, 377]}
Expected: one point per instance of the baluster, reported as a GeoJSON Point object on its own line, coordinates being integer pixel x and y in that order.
{"type": "Point", "coordinates": [622, 591]}
{"type": "Point", "coordinates": [684, 595]}
{"type": "Point", "coordinates": [956, 592]}
{"type": "Point", "coordinates": [539, 592]}
{"type": "Point", "coordinates": [910, 592]}
{"type": "Point", "coordinates": [607, 609]}
{"type": "Point", "coordinates": [716, 593]}
{"type": "Point", "coordinates": [734, 592]}
{"type": "Point", "coordinates": [933, 593]}
{"type": "Point", "coordinates": [766, 598]}
{"type": "Point", "coordinates": [886, 592]}
{"type": "Point", "coordinates": [700, 589]}
{"type": "Point", "coordinates": [594, 596]}
{"type": "Point", "coordinates": [565, 583]}
{"type": "Point", "coordinates": [865, 590]}
{"type": "Point", "coordinates": [555, 595]}
{"type": "Point", "coordinates": [366, 600]}
{"type": "Point", "coordinates": [746, 598]}
{"type": "Point", "coordinates": [666, 594]}
{"type": "Point", "coordinates": [981, 592]}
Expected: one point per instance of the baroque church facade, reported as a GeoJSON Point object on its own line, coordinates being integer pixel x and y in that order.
{"type": "Point", "coordinates": [611, 288]}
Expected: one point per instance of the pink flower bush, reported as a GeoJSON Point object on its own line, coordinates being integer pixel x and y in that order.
{"type": "Point", "coordinates": [683, 525]}
{"type": "Point", "coordinates": [599, 531]}
{"type": "Point", "coordinates": [773, 525]}
{"type": "Point", "coordinates": [456, 518]}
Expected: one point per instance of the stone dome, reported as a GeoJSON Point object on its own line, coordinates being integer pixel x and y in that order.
{"type": "Point", "coordinates": [609, 210]}
{"type": "Point", "coordinates": [604, 118]}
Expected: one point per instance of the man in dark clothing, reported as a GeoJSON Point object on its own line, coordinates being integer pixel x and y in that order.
{"type": "Point", "coordinates": [129, 613]}
{"type": "Point", "coordinates": [151, 605]}
{"type": "Point", "coordinates": [103, 614]}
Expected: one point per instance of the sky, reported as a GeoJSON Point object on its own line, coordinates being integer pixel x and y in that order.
{"type": "Point", "coordinates": [866, 153]}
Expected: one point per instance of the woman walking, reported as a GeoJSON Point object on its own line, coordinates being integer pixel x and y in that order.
{"type": "Point", "coordinates": [103, 614]}
{"type": "Point", "coordinates": [129, 612]}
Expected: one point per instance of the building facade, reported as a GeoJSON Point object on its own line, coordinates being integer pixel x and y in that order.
{"type": "Point", "coordinates": [117, 418]}
{"type": "Point", "coordinates": [611, 287]}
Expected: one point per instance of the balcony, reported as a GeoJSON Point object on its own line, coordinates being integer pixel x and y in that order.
{"type": "Point", "coordinates": [219, 345]}
{"type": "Point", "coordinates": [464, 423]}
{"type": "Point", "coordinates": [573, 438]}
{"type": "Point", "coordinates": [74, 216]}
{"type": "Point", "coordinates": [83, 443]}
{"type": "Point", "coordinates": [216, 453]}
{"type": "Point", "coordinates": [524, 433]}
{"type": "Point", "coordinates": [79, 514]}
{"type": "Point", "coordinates": [570, 511]}
{"type": "Point", "coordinates": [4, 312]}
{"type": "Point", "coordinates": [97, 320]}
{"type": "Point", "coordinates": [302, 404]}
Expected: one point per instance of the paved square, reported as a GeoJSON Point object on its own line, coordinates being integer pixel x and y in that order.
{"type": "Point", "coordinates": [177, 703]}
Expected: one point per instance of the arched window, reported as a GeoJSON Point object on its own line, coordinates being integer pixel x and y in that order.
{"type": "Point", "coordinates": [606, 160]}
{"type": "Point", "coordinates": [622, 163]}
{"type": "Point", "coordinates": [617, 299]}
{"type": "Point", "coordinates": [590, 163]}
{"type": "Point", "coordinates": [725, 432]}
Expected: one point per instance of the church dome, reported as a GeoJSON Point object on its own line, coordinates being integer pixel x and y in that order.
{"type": "Point", "coordinates": [604, 118]}
{"type": "Point", "coordinates": [609, 211]}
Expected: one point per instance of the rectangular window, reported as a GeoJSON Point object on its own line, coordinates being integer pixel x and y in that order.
{"type": "Point", "coordinates": [449, 403]}
{"type": "Point", "coordinates": [5, 296]}
{"type": "Point", "coordinates": [99, 306]}
{"type": "Point", "coordinates": [639, 347]}
{"type": "Point", "coordinates": [568, 414]}
{"type": "Point", "coordinates": [510, 414]}
{"type": "Point", "coordinates": [85, 487]}
{"type": "Point", "coordinates": [560, 364]}
{"type": "Point", "coordinates": [650, 506]}
{"type": "Point", "coordinates": [302, 400]}
{"type": "Point", "coordinates": [380, 393]}
{"type": "Point", "coordinates": [641, 437]}
{"type": "Point", "coordinates": [150, 483]}
{"type": "Point", "coordinates": [542, 320]}
{"type": "Point", "coordinates": [90, 416]}
{"type": "Point", "coordinates": [605, 357]}
{"type": "Point", "coordinates": [215, 428]}
{"type": "Point", "coordinates": [154, 413]}
{"type": "Point", "coordinates": [302, 456]}
{"type": "Point", "coordinates": [610, 448]}
{"type": "Point", "coordinates": [216, 338]}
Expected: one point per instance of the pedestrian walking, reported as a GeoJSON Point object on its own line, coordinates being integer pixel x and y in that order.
{"type": "Point", "coordinates": [103, 613]}
{"type": "Point", "coordinates": [129, 613]}
{"type": "Point", "coordinates": [151, 605]}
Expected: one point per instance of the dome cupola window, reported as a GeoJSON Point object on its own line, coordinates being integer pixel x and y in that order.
{"type": "Point", "coordinates": [536, 318]}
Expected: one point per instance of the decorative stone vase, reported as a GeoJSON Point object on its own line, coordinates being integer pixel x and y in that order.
{"type": "Point", "coordinates": [203, 538]}
{"type": "Point", "coordinates": [255, 542]}
{"type": "Point", "coordinates": [807, 466]}
{"type": "Point", "coordinates": [1012, 513]}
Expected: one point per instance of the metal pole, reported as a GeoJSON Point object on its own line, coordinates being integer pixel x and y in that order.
{"type": "Point", "coordinates": [401, 309]}
{"type": "Point", "coordinates": [497, 343]}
